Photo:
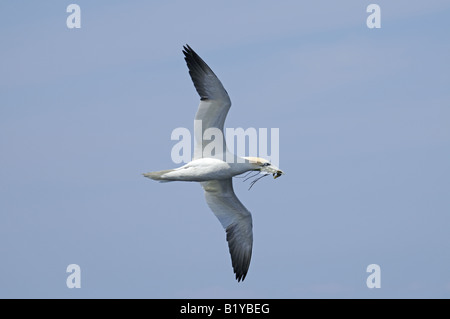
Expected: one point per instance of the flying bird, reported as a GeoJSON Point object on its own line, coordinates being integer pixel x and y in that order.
{"type": "Point", "coordinates": [215, 173]}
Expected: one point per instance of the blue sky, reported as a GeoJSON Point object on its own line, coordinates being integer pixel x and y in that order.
{"type": "Point", "coordinates": [364, 128]}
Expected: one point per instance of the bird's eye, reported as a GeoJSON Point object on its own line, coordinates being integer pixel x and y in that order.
{"type": "Point", "coordinates": [266, 164]}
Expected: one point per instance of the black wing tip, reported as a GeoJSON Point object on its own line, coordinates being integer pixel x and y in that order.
{"type": "Point", "coordinates": [195, 62]}
{"type": "Point", "coordinates": [190, 56]}
{"type": "Point", "coordinates": [206, 83]}
{"type": "Point", "coordinates": [240, 262]}
{"type": "Point", "coordinates": [188, 51]}
{"type": "Point", "coordinates": [241, 272]}
{"type": "Point", "coordinates": [198, 70]}
{"type": "Point", "coordinates": [240, 276]}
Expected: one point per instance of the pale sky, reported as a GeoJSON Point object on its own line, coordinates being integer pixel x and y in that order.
{"type": "Point", "coordinates": [363, 116]}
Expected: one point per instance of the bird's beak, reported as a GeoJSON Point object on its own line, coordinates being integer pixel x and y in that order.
{"type": "Point", "coordinates": [277, 174]}
{"type": "Point", "coordinates": [272, 169]}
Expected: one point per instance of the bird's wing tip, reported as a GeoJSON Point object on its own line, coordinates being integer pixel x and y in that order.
{"type": "Point", "coordinates": [187, 50]}
{"type": "Point", "coordinates": [241, 277]}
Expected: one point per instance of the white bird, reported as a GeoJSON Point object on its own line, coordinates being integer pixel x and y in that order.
{"type": "Point", "coordinates": [215, 172]}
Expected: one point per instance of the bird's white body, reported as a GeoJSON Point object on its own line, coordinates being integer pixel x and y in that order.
{"type": "Point", "coordinates": [206, 169]}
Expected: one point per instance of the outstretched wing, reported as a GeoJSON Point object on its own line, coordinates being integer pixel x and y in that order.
{"type": "Point", "coordinates": [214, 102]}
{"type": "Point", "coordinates": [236, 220]}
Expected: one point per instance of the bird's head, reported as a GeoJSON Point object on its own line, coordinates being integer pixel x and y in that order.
{"type": "Point", "coordinates": [264, 166]}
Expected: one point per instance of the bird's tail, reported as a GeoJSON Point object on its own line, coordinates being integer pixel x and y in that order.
{"type": "Point", "coordinates": [159, 175]}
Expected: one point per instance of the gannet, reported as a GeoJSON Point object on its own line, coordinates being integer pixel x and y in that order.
{"type": "Point", "coordinates": [215, 173]}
